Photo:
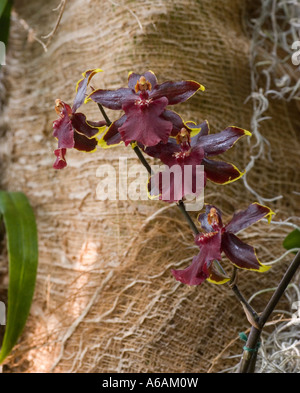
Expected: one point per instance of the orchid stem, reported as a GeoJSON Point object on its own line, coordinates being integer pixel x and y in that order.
{"type": "Point", "coordinates": [187, 217]}
{"type": "Point", "coordinates": [106, 118]}
{"type": "Point", "coordinates": [251, 314]}
{"type": "Point", "coordinates": [141, 157]}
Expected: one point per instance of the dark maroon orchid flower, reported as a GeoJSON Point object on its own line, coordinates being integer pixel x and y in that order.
{"type": "Point", "coordinates": [144, 102]}
{"type": "Point", "coordinates": [219, 238]}
{"type": "Point", "coordinates": [193, 147]}
{"type": "Point", "coordinates": [72, 129]}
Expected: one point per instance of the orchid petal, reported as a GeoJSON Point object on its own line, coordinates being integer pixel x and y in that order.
{"type": "Point", "coordinates": [215, 144]}
{"type": "Point", "coordinates": [63, 129]}
{"type": "Point", "coordinates": [112, 137]}
{"type": "Point", "coordinates": [81, 87]}
{"type": "Point", "coordinates": [243, 219]}
{"type": "Point", "coordinates": [89, 129]}
{"type": "Point", "coordinates": [175, 119]}
{"type": "Point", "coordinates": [242, 255]}
{"type": "Point", "coordinates": [134, 78]}
{"type": "Point", "coordinates": [176, 92]}
{"type": "Point", "coordinates": [168, 154]}
{"type": "Point", "coordinates": [221, 172]}
{"type": "Point", "coordinates": [112, 99]}
{"type": "Point", "coordinates": [82, 143]}
{"type": "Point", "coordinates": [163, 149]}
{"type": "Point", "coordinates": [198, 131]}
{"type": "Point", "coordinates": [197, 272]}
{"type": "Point", "coordinates": [60, 162]}
{"type": "Point", "coordinates": [216, 274]}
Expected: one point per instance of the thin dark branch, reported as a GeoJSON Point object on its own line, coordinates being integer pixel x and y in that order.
{"type": "Point", "coordinates": [247, 364]}
{"type": "Point", "coordinates": [187, 217]}
{"type": "Point", "coordinates": [141, 157]}
{"type": "Point", "coordinates": [106, 118]}
{"type": "Point", "coordinates": [286, 279]}
{"type": "Point", "coordinates": [251, 314]}
{"type": "Point", "coordinates": [51, 34]}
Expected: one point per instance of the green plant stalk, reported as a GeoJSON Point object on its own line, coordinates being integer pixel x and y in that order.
{"type": "Point", "coordinates": [2, 6]}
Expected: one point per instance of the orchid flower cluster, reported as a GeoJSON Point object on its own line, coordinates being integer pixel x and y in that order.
{"type": "Point", "coordinates": [149, 125]}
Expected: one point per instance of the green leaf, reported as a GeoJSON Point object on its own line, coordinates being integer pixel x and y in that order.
{"type": "Point", "coordinates": [292, 240]}
{"type": "Point", "coordinates": [22, 247]}
{"type": "Point", "coordinates": [5, 10]}
{"type": "Point", "coordinates": [2, 6]}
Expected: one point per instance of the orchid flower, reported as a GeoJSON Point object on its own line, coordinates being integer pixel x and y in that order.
{"type": "Point", "coordinates": [194, 146]}
{"type": "Point", "coordinates": [144, 101]}
{"type": "Point", "coordinates": [72, 129]}
{"type": "Point", "coordinates": [219, 238]}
